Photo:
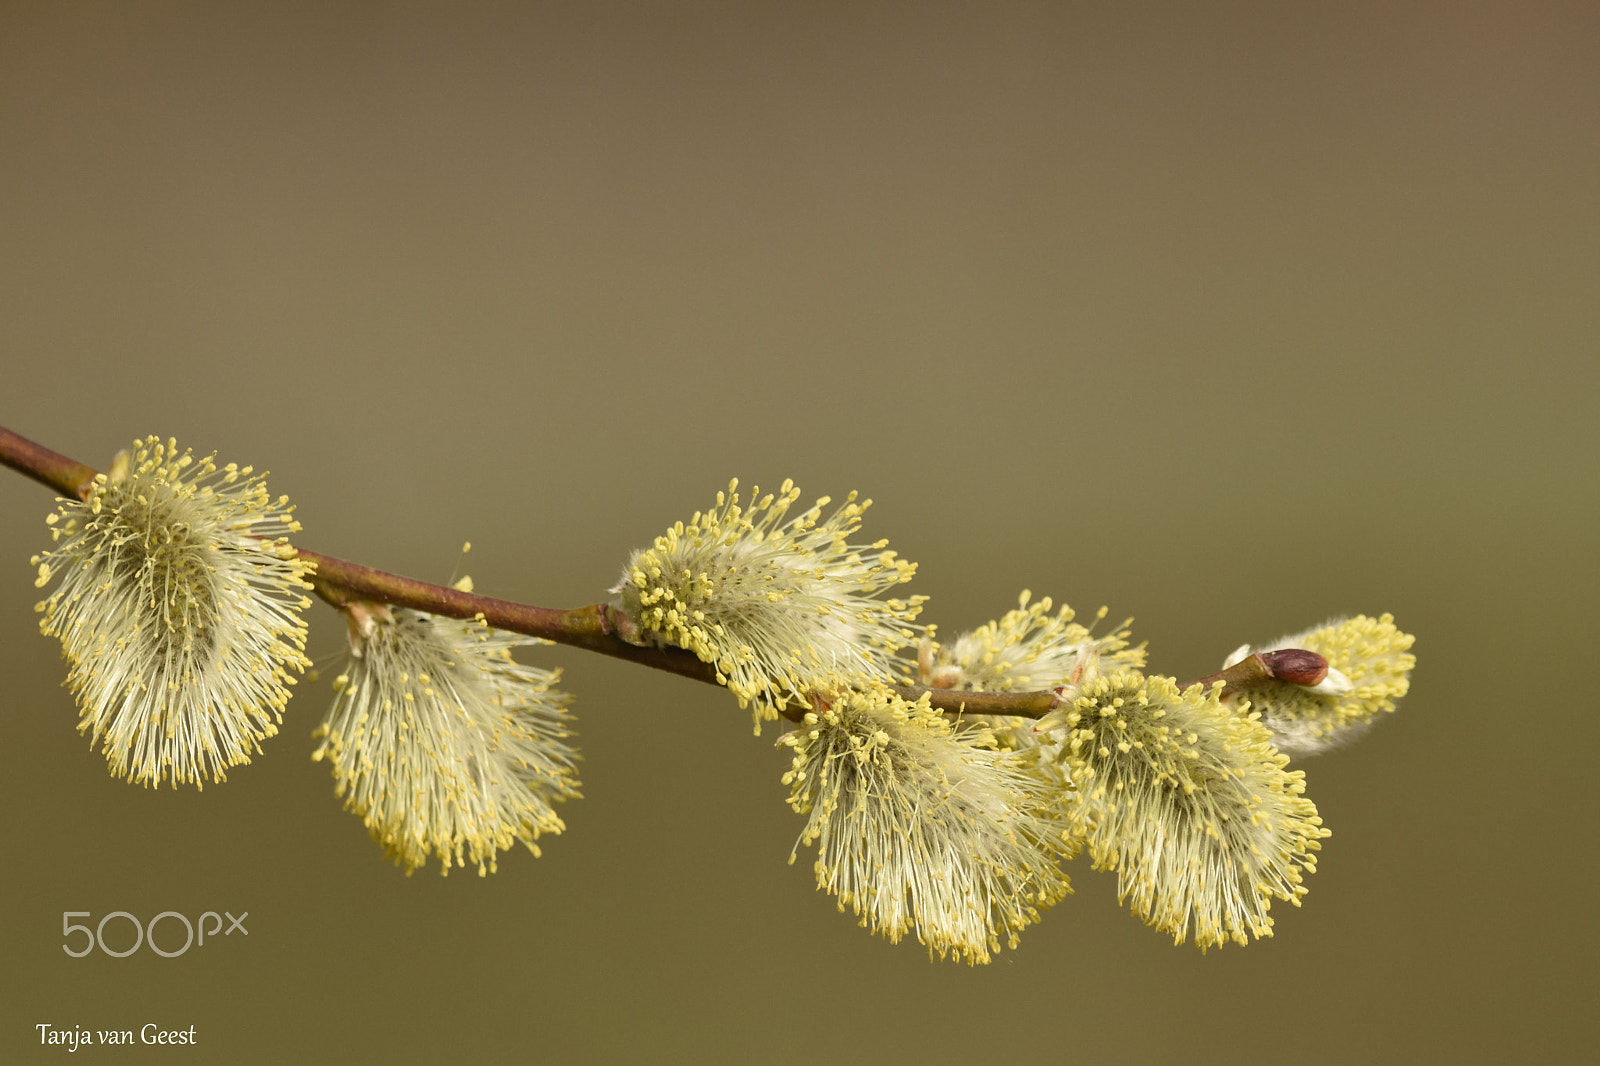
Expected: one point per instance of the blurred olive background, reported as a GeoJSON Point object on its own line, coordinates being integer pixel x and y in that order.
{"type": "Point", "coordinates": [1231, 319]}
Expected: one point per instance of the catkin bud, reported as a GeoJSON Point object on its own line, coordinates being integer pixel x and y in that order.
{"type": "Point", "coordinates": [1367, 664]}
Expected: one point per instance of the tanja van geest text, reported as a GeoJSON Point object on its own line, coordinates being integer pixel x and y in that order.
{"type": "Point", "coordinates": [76, 1037]}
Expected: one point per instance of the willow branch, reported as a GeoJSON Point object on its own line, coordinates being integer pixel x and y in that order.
{"type": "Point", "coordinates": [594, 628]}
{"type": "Point", "coordinates": [67, 476]}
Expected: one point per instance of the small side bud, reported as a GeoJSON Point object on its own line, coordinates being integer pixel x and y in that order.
{"type": "Point", "coordinates": [627, 628]}
{"type": "Point", "coordinates": [121, 463]}
{"type": "Point", "coordinates": [1296, 665]}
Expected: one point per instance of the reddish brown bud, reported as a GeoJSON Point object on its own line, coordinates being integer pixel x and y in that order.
{"type": "Point", "coordinates": [1296, 665]}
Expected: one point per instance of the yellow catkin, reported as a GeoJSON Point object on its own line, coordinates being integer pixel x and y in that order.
{"type": "Point", "coordinates": [442, 743]}
{"type": "Point", "coordinates": [1188, 801]}
{"type": "Point", "coordinates": [179, 612]}
{"type": "Point", "coordinates": [1030, 648]}
{"type": "Point", "coordinates": [774, 603]}
{"type": "Point", "coordinates": [923, 826]}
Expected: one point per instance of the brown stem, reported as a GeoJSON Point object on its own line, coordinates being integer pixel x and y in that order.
{"type": "Point", "coordinates": [1014, 704]}
{"type": "Point", "coordinates": [338, 582]}
{"type": "Point", "coordinates": [67, 476]}
{"type": "Point", "coordinates": [1242, 674]}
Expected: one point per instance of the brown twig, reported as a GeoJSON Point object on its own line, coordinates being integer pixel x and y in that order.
{"type": "Point", "coordinates": [592, 628]}
{"type": "Point", "coordinates": [67, 476]}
